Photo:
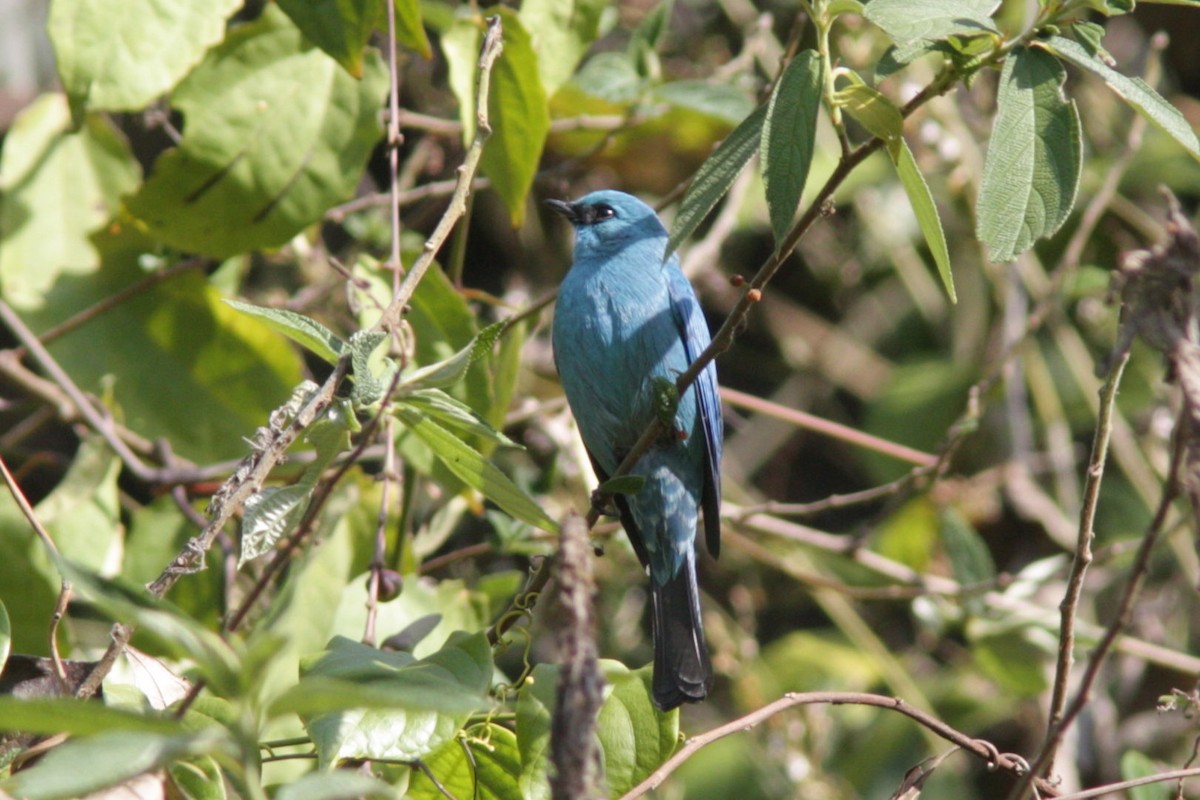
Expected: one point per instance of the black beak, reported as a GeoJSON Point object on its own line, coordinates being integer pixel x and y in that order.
{"type": "Point", "coordinates": [568, 210]}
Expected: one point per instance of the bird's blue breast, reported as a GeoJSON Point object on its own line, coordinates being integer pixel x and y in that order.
{"type": "Point", "coordinates": [614, 331]}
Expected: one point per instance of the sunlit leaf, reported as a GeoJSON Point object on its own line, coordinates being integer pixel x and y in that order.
{"type": "Point", "coordinates": [1034, 158]}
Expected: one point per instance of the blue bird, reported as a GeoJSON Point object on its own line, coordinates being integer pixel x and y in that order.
{"type": "Point", "coordinates": [624, 322]}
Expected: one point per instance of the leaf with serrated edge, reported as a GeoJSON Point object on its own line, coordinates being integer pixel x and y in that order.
{"type": "Point", "coordinates": [474, 470]}
{"type": "Point", "coordinates": [931, 20]}
{"type": "Point", "coordinates": [302, 330]}
{"type": "Point", "coordinates": [455, 414]}
{"type": "Point", "coordinates": [121, 55]}
{"type": "Point", "coordinates": [715, 176]}
{"type": "Point", "coordinates": [788, 136]}
{"type": "Point", "coordinates": [1139, 94]}
{"type": "Point", "coordinates": [1034, 158]}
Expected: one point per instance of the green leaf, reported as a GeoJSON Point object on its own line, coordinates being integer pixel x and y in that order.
{"type": "Point", "coordinates": [1034, 158]}
{"type": "Point", "coordinates": [410, 30]}
{"type": "Point", "coordinates": [454, 414]}
{"type": "Point", "coordinates": [180, 635]}
{"type": "Point", "coordinates": [83, 513]}
{"type": "Point", "coordinates": [634, 736]}
{"type": "Point", "coordinates": [77, 717]}
{"type": "Point", "coordinates": [460, 45]}
{"type": "Point", "coordinates": [261, 159]}
{"type": "Point", "coordinates": [121, 55]}
{"type": "Point", "coordinates": [336, 785]}
{"type": "Point", "coordinates": [788, 137]}
{"type": "Point", "coordinates": [970, 561]}
{"type": "Point", "coordinates": [1012, 661]}
{"type": "Point", "coordinates": [715, 176]}
{"type": "Point", "coordinates": [474, 470]}
{"type": "Point", "coordinates": [452, 370]}
{"type": "Point", "coordinates": [178, 362]}
{"type": "Point", "coordinates": [719, 100]}
{"type": "Point", "coordinates": [1134, 765]}
{"type": "Point", "coordinates": [302, 330]}
{"type": "Point", "coordinates": [610, 76]}
{"type": "Point", "coordinates": [197, 778]}
{"type": "Point", "coordinates": [931, 20]}
{"type": "Point", "coordinates": [519, 116]}
{"type": "Point", "coordinates": [400, 712]}
{"type": "Point", "coordinates": [275, 511]}
{"type": "Point", "coordinates": [56, 188]}
{"type": "Point", "coordinates": [872, 110]}
{"type": "Point", "coordinates": [925, 210]}
{"type": "Point", "coordinates": [341, 28]}
{"type": "Point", "coordinates": [82, 766]}
{"type": "Point", "coordinates": [562, 31]}
{"type": "Point", "coordinates": [485, 764]}
{"type": "Point", "coordinates": [623, 484]}
{"type": "Point", "coordinates": [1139, 94]}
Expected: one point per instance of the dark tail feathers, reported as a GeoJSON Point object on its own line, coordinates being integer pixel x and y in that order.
{"type": "Point", "coordinates": [682, 672]}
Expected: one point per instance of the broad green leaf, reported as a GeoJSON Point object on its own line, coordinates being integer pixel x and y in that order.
{"type": "Point", "coordinates": [270, 515]}
{"type": "Point", "coordinates": [970, 561]}
{"type": "Point", "coordinates": [1012, 661]}
{"type": "Point", "coordinates": [82, 766]}
{"type": "Point", "coordinates": [121, 55]}
{"type": "Point", "coordinates": [444, 374]}
{"type": "Point", "coordinates": [372, 371]}
{"type": "Point", "coordinates": [719, 100]}
{"type": "Point", "coordinates": [410, 28]}
{"type": "Point", "coordinates": [535, 705]}
{"type": "Point", "coordinates": [180, 635]}
{"type": "Point", "coordinates": [872, 110]}
{"type": "Point", "coordinates": [83, 513]}
{"type": "Point", "coordinates": [261, 159]}
{"type": "Point", "coordinates": [925, 210]}
{"type": "Point", "coordinates": [198, 778]}
{"type": "Point", "coordinates": [610, 76]}
{"type": "Point", "coordinates": [788, 136]}
{"type": "Point", "coordinates": [304, 613]}
{"type": "Point", "coordinates": [490, 771]}
{"type": "Point", "coordinates": [457, 608]}
{"type": "Point", "coordinates": [1139, 94]}
{"type": "Point", "coordinates": [931, 20]}
{"type": "Point", "coordinates": [302, 330]}
{"type": "Point", "coordinates": [1134, 765]}
{"type": "Point", "coordinates": [460, 45]}
{"type": "Point", "coordinates": [623, 484]}
{"type": "Point", "coordinates": [404, 713]}
{"type": "Point", "coordinates": [336, 785]}
{"type": "Point", "coordinates": [29, 582]}
{"type": "Point", "coordinates": [454, 414]}
{"type": "Point", "coordinates": [715, 176]}
{"type": "Point", "coordinates": [562, 31]}
{"type": "Point", "coordinates": [50, 715]}
{"type": "Point", "coordinates": [635, 737]}
{"type": "Point", "coordinates": [341, 28]}
{"type": "Point", "coordinates": [1034, 158]}
{"type": "Point", "coordinates": [475, 470]}
{"type": "Point", "coordinates": [177, 361]}
{"type": "Point", "coordinates": [56, 188]}
{"type": "Point", "coordinates": [519, 116]}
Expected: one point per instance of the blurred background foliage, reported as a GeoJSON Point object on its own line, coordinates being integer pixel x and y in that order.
{"type": "Point", "coordinates": [960, 619]}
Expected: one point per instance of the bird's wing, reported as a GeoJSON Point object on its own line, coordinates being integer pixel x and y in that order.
{"type": "Point", "coordinates": [693, 330]}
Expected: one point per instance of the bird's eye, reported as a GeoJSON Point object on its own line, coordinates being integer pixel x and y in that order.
{"type": "Point", "coordinates": [604, 212]}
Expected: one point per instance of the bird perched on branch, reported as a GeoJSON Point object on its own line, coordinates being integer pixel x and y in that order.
{"type": "Point", "coordinates": [627, 323]}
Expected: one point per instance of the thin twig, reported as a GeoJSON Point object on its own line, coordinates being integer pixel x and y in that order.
{"type": "Point", "coordinates": [1083, 547]}
{"type": "Point", "coordinates": [978, 747]}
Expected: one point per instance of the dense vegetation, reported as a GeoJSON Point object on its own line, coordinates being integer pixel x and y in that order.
{"type": "Point", "coordinates": [296, 500]}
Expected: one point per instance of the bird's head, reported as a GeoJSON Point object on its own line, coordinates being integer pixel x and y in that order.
{"type": "Point", "coordinates": [610, 219]}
